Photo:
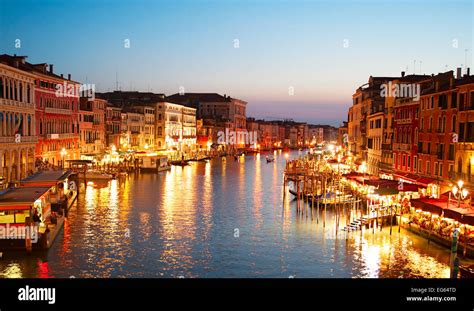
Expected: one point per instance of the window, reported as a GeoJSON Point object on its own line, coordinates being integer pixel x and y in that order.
{"type": "Point", "coordinates": [451, 152]}
{"type": "Point", "coordinates": [428, 171]}
{"type": "Point", "coordinates": [443, 101]}
{"type": "Point", "coordinates": [462, 104]}
{"type": "Point", "coordinates": [470, 132]}
{"type": "Point", "coordinates": [414, 163]}
{"type": "Point", "coordinates": [419, 165]}
{"type": "Point", "coordinates": [440, 169]}
{"type": "Point", "coordinates": [461, 131]}
{"type": "Point", "coordinates": [454, 100]}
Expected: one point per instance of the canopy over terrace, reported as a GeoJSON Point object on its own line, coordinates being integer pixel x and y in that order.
{"type": "Point", "coordinates": [416, 179]}
{"type": "Point", "coordinates": [46, 178]}
{"type": "Point", "coordinates": [21, 198]}
{"type": "Point", "coordinates": [380, 186]}
{"type": "Point", "coordinates": [464, 214]}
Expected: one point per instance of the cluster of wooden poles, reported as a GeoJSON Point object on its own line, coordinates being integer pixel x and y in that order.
{"type": "Point", "coordinates": [316, 183]}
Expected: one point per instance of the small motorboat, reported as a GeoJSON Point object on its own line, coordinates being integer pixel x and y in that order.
{"type": "Point", "coordinates": [96, 175]}
{"type": "Point", "coordinates": [270, 159]}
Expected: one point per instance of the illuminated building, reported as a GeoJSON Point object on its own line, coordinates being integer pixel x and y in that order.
{"type": "Point", "coordinates": [17, 119]}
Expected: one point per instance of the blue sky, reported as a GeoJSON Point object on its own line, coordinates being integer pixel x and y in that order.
{"type": "Point", "coordinates": [282, 44]}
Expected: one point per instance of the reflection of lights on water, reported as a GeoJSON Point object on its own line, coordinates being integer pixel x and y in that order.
{"type": "Point", "coordinates": [13, 270]}
{"type": "Point", "coordinates": [89, 197]}
{"type": "Point", "coordinates": [372, 260]}
{"type": "Point", "coordinates": [113, 199]}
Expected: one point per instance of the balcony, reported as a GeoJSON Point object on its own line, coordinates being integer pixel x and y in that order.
{"type": "Point", "coordinates": [404, 147]}
{"type": "Point", "coordinates": [465, 146]}
{"type": "Point", "coordinates": [58, 111]}
{"type": "Point", "coordinates": [24, 139]}
{"type": "Point", "coordinates": [404, 121]}
{"type": "Point", "coordinates": [62, 136]}
{"type": "Point", "coordinates": [386, 146]}
{"type": "Point", "coordinates": [15, 103]}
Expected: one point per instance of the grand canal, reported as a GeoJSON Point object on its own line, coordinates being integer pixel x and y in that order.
{"type": "Point", "coordinates": [216, 219]}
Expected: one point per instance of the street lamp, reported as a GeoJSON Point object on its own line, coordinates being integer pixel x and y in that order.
{"type": "Point", "coordinates": [459, 192]}
{"type": "Point", "coordinates": [63, 154]}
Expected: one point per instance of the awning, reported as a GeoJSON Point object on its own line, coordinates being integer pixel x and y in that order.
{"type": "Point", "coordinates": [414, 178]}
{"type": "Point", "coordinates": [464, 214]}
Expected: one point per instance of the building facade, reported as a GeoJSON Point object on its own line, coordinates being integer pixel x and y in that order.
{"type": "Point", "coordinates": [57, 117]}
{"type": "Point", "coordinates": [175, 127]}
{"type": "Point", "coordinates": [17, 120]}
{"type": "Point", "coordinates": [113, 126]}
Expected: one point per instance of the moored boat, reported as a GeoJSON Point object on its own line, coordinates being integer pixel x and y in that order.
{"type": "Point", "coordinates": [32, 215]}
{"type": "Point", "coordinates": [96, 175]}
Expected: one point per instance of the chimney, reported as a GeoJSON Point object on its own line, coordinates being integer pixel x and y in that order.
{"type": "Point", "coordinates": [468, 71]}
{"type": "Point", "coordinates": [458, 72]}
{"type": "Point", "coordinates": [62, 76]}
{"type": "Point", "coordinates": [51, 68]}
{"type": "Point", "coordinates": [403, 74]}
{"type": "Point", "coordinates": [69, 76]}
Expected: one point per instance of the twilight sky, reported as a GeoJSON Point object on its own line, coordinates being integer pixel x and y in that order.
{"type": "Point", "coordinates": [322, 50]}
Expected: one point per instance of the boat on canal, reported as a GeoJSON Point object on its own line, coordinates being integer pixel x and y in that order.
{"type": "Point", "coordinates": [154, 164]}
{"type": "Point", "coordinates": [329, 198]}
{"type": "Point", "coordinates": [270, 158]}
{"type": "Point", "coordinates": [33, 214]}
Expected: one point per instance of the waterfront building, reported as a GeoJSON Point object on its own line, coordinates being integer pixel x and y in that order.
{"type": "Point", "coordinates": [175, 127]}
{"type": "Point", "coordinates": [375, 120]}
{"type": "Point", "coordinates": [148, 113]}
{"type": "Point", "coordinates": [463, 168]}
{"type": "Point", "coordinates": [364, 99]}
{"type": "Point", "coordinates": [406, 129]}
{"type": "Point", "coordinates": [17, 119]}
{"type": "Point", "coordinates": [92, 126]}
{"type": "Point", "coordinates": [438, 120]}
{"type": "Point", "coordinates": [86, 119]}
{"type": "Point", "coordinates": [316, 135]}
{"type": "Point", "coordinates": [401, 128]}
{"type": "Point", "coordinates": [341, 133]}
{"type": "Point", "coordinates": [225, 111]}
{"type": "Point", "coordinates": [132, 130]}
{"type": "Point", "coordinates": [113, 126]}
{"type": "Point", "coordinates": [204, 134]}
{"type": "Point", "coordinates": [57, 116]}
{"type": "Point", "coordinates": [266, 133]}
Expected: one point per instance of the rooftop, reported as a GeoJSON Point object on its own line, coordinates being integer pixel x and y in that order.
{"type": "Point", "coordinates": [22, 195]}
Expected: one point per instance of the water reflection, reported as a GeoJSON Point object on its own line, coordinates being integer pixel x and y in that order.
{"type": "Point", "coordinates": [184, 222]}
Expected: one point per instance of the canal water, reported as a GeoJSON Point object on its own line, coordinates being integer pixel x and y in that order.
{"type": "Point", "coordinates": [217, 219]}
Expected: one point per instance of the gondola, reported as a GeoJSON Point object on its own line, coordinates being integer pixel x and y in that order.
{"type": "Point", "coordinates": [270, 159]}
